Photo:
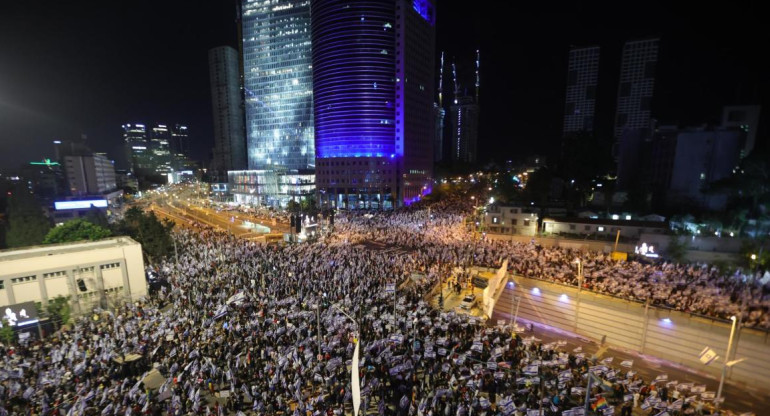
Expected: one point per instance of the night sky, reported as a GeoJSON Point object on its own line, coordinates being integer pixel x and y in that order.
{"type": "Point", "coordinates": [88, 67]}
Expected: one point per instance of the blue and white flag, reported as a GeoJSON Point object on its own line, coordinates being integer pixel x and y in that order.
{"type": "Point", "coordinates": [530, 370]}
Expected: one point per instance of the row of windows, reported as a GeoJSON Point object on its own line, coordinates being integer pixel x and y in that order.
{"type": "Point", "coordinates": [109, 266]}
{"type": "Point", "coordinates": [23, 279]}
{"type": "Point", "coordinates": [54, 274]}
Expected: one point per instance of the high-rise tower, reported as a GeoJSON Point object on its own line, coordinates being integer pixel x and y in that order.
{"type": "Point", "coordinates": [227, 106]}
{"type": "Point", "coordinates": [373, 92]}
{"type": "Point", "coordinates": [278, 84]}
{"type": "Point", "coordinates": [582, 79]}
{"type": "Point", "coordinates": [636, 86]}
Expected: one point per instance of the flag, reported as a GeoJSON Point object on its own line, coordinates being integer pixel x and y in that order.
{"type": "Point", "coordinates": [355, 381]}
{"type": "Point", "coordinates": [707, 356]}
{"type": "Point", "coordinates": [599, 404]}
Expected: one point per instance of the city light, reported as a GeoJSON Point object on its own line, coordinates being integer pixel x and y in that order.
{"type": "Point", "coordinates": [536, 291]}
{"type": "Point", "coordinates": [564, 298]}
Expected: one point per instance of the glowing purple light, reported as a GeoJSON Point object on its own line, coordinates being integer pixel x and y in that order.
{"type": "Point", "coordinates": [536, 291]}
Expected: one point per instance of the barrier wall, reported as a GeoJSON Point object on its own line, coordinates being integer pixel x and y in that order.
{"type": "Point", "coordinates": [671, 335]}
{"type": "Point", "coordinates": [493, 290]}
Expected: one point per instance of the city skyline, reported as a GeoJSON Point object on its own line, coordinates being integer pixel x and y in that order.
{"type": "Point", "coordinates": [80, 74]}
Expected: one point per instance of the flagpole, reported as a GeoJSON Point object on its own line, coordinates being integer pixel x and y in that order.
{"type": "Point", "coordinates": [588, 391]}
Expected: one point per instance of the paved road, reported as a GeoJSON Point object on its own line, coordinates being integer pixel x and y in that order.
{"type": "Point", "coordinates": [737, 397]}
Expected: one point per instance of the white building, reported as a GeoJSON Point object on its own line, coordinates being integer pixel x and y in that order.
{"type": "Point", "coordinates": [510, 220]}
{"type": "Point", "coordinates": [89, 175]}
{"type": "Point", "coordinates": [82, 271]}
{"type": "Point", "coordinates": [602, 227]}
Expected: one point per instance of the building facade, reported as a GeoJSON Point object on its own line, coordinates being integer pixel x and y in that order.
{"type": "Point", "coordinates": [102, 273]}
{"type": "Point", "coordinates": [439, 114]}
{"type": "Point", "coordinates": [138, 151]}
{"type": "Point", "coordinates": [464, 130]}
{"type": "Point", "coordinates": [89, 175]}
{"type": "Point", "coordinates": [636, 86]}
{"type": "Point", "coordinates": [415, 91]}
{"type": "Point", "coordinates": [510, 220]}
{"type": "Point", "coordinates": [227, 107]}
{"type": "Point", "coordinates": [701, 158]}
{"type": "Point", "coordinates": [180, 147]}
{"type": "Point", "coordinates": [278, 82]}
{"type": "Point", "coordinates": [580, 97]}
{"type": "Point", "coordinates": [745, 118]}
{"type": "Point", "coordinates": [160, 149]}
{"type": "Point", "coordinates": [373, 83]}
{"type": "Point", "coordinates": [605, 228]}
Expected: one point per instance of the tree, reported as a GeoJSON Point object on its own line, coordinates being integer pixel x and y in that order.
{"type": "Point", "coordinates": [293, 206]}
{"type": "Point", "coordinates": [154, 235]}
{"type": "Point", "coordinates": [59, 309]}
{"type": "Point", "coordinates": [76, 230]}
{"type": "Point", "coordinates": [97, 217]}
{"type": "Point", "coordinates": [6, 333]}
{"type": "Point", "coordinates": [26, 223]}
{"type": "Point", "coordinates": [308, 205]}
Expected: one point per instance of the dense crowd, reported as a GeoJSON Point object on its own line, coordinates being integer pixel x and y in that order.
{"type": "Point", "coordinates": [236, 331]}
{"type": "Point", "coordinates": [699, 288]}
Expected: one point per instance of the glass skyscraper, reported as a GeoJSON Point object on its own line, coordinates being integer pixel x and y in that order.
{"type": "Point", "coordinates": [278, 84]}
{"type": "Point", "coordinates": [373, 80]}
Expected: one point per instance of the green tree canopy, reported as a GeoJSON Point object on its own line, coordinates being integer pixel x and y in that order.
{"type": "Point", "coordinates": [27, 225]}
{"type": "Point", "coordinates": [76, 230]}
{"type": "Point", "coordinates": [154, 235]}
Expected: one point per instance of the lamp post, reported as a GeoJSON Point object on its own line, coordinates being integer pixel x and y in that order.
{"type": "Point", "coordinates": [726, 364]}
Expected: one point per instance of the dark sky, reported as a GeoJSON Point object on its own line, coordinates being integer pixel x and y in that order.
{"type": "Point", "coordinates": [88, 67]}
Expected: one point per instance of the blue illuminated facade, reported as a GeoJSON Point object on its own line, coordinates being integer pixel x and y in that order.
{"type": "Point", "coordinates": [278, 84]}
{"type": "Point", "coordinates": [353, 73]}
{"type": "Point", "coordinates": [368, 133]}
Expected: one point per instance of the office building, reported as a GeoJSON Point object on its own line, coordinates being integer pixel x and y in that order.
{"type": "Point", "coordinates": [636, 86]}
{"type": "Point", "coordinates": [180, 147]}
{"type": "Point", "coordinates": [103, 273]}
{"type": "Point", "coordinates": [160, 149]}
{"type": "Point", "coordinates": [415, 91]}
{"type": "Point", "coordinates": [278, 84]}
{"type": "Point", "coordinates": [278, 98]}
{"type": "Point", "coordinates": [439, 114]}
{"type": "Point", "coordinates": [702, 157]}
{"type": "Point", "coordinates": [745, 118]}
{"type": "Point", "coordinates": [137, 148]}
{"type": "Point", "coordinates": [227, 106]}
{"type": "Point", "coordinates": [580, 97]}
{"type": "Point", "coordinates": [373, 83]}
{"type": "Point", "coordinates": [89, 175]}
{"type": "Point", "coordinates": [464, 121]}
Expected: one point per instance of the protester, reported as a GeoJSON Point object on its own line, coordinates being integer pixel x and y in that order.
{"type": "Point", "coordinates": [241, 319]}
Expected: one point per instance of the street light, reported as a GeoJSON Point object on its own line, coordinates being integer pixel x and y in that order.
{"type": "Point", "coordinates": [727, 363]}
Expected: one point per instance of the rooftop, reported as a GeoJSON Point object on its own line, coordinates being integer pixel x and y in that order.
{"type": "Point", "coordinates": [63, 248]}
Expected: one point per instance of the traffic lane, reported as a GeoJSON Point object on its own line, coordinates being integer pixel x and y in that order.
{"type": "Point", "coordinates": [737, 398]}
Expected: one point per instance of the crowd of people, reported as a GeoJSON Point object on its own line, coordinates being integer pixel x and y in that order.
{"type": "Point", "coordinates": [699, 289]}
{"type": "Point", "coordinates": [244, 328]}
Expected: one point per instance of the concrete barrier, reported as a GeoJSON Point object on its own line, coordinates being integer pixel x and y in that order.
{"type": "Point", "coordinates": [672, 335]}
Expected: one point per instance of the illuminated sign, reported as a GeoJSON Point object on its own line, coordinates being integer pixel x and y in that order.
{"type": "Point", "coordinates": [45, 162]}
{"type": "Point", "coordinates": [139, 147]}
{"type": "Point", "coordinates": [99, 203]}
{"type": "Point", "coordinates": [19, 314]}
{"type": "Point", "coordinates": [645, 250]}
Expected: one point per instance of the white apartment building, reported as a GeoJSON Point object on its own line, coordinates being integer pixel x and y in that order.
{"type": "Point", "coordinates": [84, 271]}
{"type": "Point", "coordinates": [510, 220]}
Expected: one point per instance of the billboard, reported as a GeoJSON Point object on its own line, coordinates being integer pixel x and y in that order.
{"type": "Point", "coordinates": [62, 205]}
{"type": "Point", "coordinates": [19, 315]}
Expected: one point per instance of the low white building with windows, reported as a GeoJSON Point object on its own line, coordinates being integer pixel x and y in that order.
{"type": "Point", "coordinates": [571, 227]}
{"type": "Point", "coordinates": [90, 273]}
{"type": "Point", "coordinates": [510, 220]}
